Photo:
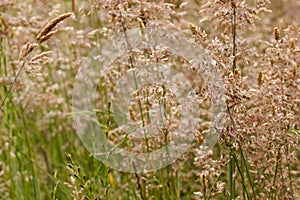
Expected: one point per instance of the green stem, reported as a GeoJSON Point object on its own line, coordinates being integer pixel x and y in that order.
{"type": "Point", "coordinates": [204, 187]}
{"type": "Point", "coordinates": [276, 171]}
{"type": "Point", "coordinates": [289, 175]}
{"type": "Point", "coordinates": [231, 181]}
{"type": "Point", "coordinates": [247, 169]}
{"type": "Point", "coordinates": [212, 187]}
{"type": "Point", "coordinates": [35, 182]}
{"type": "Point", "coordinates": [240, 172]}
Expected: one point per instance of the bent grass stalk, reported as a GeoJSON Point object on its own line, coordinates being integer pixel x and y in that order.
{"type": "Point", "coordinates": [45, 34]}
{"type": "Point", "coordinates": [12, 84]}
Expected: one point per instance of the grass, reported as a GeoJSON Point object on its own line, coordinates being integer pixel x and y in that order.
{"type": "Point", "coordinates": [42, 157]}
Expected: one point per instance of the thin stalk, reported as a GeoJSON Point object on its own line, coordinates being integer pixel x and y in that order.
{"type": "Point", "coordinates": [164, 116]}
{"type": "Point", "coordinates": [247, 170]}
{"type": "Point", "coordinates": [231, 181]}
{"type": "Point", "coordinates": [13, 83]}
{"type": "Point", "coordinates": [276, 171]}
{"type": "Point", "coordinates": [282, 179]}
{"type": "Point", "coordinates": [204, 187]}
{"type": "Point", "coordinates": [242, 171]}
{"type": "Point", "coordinates": [212, 187]}
{"type": "Point", "coordinates": [35, 183]}
{"type": "Point", "coordinates": [289, 175]}
{"type": "Point", "coordinates": [242, 176]}
{"type": "Point", "coordinates": [139, 182]}
{"type": "Point", "coordinates": [234, 34]}
{"type": "Point", "coordinates": [135, 80]}
{"type": "Point", "coordinates": [177, 190]}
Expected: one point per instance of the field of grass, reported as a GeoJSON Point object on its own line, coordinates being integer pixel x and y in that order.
{"type": "Point", "coordinates": [52, 106]}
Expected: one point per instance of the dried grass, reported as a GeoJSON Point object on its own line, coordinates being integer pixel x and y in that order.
{"type": "Point", "coordinates": [257, 54]}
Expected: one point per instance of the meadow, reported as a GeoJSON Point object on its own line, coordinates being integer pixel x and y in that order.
{"type": "Point", "coordinates": [244, 80]}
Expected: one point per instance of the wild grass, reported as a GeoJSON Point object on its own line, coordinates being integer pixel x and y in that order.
{"type": "Point", "coordinates": [256, 45]}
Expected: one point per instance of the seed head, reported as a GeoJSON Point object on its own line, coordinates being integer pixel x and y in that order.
{"type": "Point", "coordinates": [292, 45]}
{"type": "Point", "coordinates": [27, 50]}
{"type": "Point", "coordinates": [276, 33]}
{"type": "Point", "coordinates": [260, 78]}
{"type": "Point", "coordinates": [199, 137]}
{"type": "Point", "coordinates": [47, 37]}
{"type": "Point", "coordinates": [50, 25]}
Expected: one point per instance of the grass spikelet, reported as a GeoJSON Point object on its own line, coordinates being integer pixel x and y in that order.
{"type": "Point", "coordinates": [193, 28]}
{"type": "Point", "coordinates": [40, 58]}
{"type": "Point", "coordinates": [141, 23]}
{"type": "Point", "coordinates": [47, 37]}
{"type": "Point", "coordinates": [197, 32]}
{"type": "Point", "coordinates": [276, 33]}
{"type": "Point", "coordinates": [28, 48]}
{"type": "Point", "coordinates": [260, 78]}
{"type": "Point", "coordinates": [50, 25]}
{"type": "Point", "coordinates": [292, 45]}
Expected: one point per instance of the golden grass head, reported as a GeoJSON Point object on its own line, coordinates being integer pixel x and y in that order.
{"type": "Point", "coordinates": [49, 26]}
